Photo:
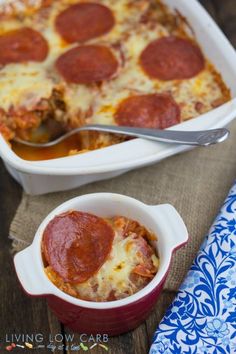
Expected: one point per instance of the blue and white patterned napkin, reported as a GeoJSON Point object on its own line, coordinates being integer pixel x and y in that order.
{"type": "Point", "coordinates": [202, 318]}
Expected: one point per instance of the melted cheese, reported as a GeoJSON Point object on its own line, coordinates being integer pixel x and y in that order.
{"type": "Point", "coordinates": [203, 89]}
{"type": "Point", "coordinates": [115, 273]}
{"type": "Point", "coordinates": [23, 85]}
{"type": "Point", "coordinates": [13, 7]}
{"type": "Point", "coordinates": [115, 277]}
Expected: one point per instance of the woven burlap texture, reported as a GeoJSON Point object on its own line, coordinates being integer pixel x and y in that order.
{"type": "Point", "coordinates": [195, 183]}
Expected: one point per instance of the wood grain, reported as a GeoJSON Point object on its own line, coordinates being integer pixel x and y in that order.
{"type": "Point", "coordinates": [226, 16]}
{"type": "Point", "coordinates": [210, 7]}
{"type": "Point", "coordinates": [19, 314]}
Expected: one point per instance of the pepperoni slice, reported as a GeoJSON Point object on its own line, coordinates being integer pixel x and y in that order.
{"type": "Point", "coordinates": [21, 45]}
{"type": "Point", "coordinates": [84, 21]}
{"type": "Point", "coordinates": [87, 64]}
{"type": "Point", "coordinates": [157, 111]}
{"type": "Point", "coordinates": [172, 58]}
{"type": "Point", "coordinates": [76, 244]}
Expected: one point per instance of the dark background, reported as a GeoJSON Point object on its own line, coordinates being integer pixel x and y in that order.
{"type": "Point", "coordinates": [20, 314]}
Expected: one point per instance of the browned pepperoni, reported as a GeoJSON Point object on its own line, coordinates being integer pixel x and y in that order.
{"type": "Point", "coordinates": [84, 21]}
{"type": "Point", "coordinates": [22, 45]}
{"type": "Point", "coordinates": [87, 64]}
{"type": "Point", "coordinates": [172, 58]}
{"type": "Point", "coordinates": [157, 111]}
{"type": "Point", "coordinates": [76, 244]}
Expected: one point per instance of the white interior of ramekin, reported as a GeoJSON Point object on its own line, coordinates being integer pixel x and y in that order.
{"type": "Point", "coordinates": [108, 205]}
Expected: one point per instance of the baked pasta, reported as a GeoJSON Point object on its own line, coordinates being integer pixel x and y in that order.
{"type": "Point", "coordinates": [67, 63]}
{"type": "Point", "coordinates": [98, 259]}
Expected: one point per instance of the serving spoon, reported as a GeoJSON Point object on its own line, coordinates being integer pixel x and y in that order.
{"type": "Point", "coordinates": [195, 138]}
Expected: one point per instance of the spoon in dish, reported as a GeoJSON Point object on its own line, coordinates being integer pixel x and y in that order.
{"type": "Point", "coordinates": [195, 138]}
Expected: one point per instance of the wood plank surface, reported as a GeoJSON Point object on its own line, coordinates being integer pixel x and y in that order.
{"type": "Point", "coordinates": [210, 6]}
{"type": "Point", "coordinates": [21, 314]}
{"type": "Point", "coordinates": [18, 313]}
{"type": "Point", "coordinates": [226, 17]}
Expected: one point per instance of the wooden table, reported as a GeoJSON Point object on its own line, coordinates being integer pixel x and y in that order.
{"type": "Point", "coordinates": [22, 315]}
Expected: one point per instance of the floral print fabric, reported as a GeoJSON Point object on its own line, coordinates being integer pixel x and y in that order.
{"type": "Point", "coordinates": [202, 318]}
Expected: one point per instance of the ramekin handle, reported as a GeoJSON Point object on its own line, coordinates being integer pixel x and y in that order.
{"type": "Point", "coordinates": [170, 223]}
{"type": "Point", "coordinates": [27, 270]}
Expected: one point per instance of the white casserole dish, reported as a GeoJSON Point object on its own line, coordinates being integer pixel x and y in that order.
{"type": "Point", "coordinates": [39, 177]}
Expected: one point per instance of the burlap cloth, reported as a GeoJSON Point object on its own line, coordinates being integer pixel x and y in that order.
{"type": "Point", "coordinates": [195, 182]}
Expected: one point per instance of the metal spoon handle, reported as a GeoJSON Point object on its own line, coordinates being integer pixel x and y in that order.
{"type": "Point", "coordinates": [196, 138]}
{"type": "Point", "coordinates": [204, 138]}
